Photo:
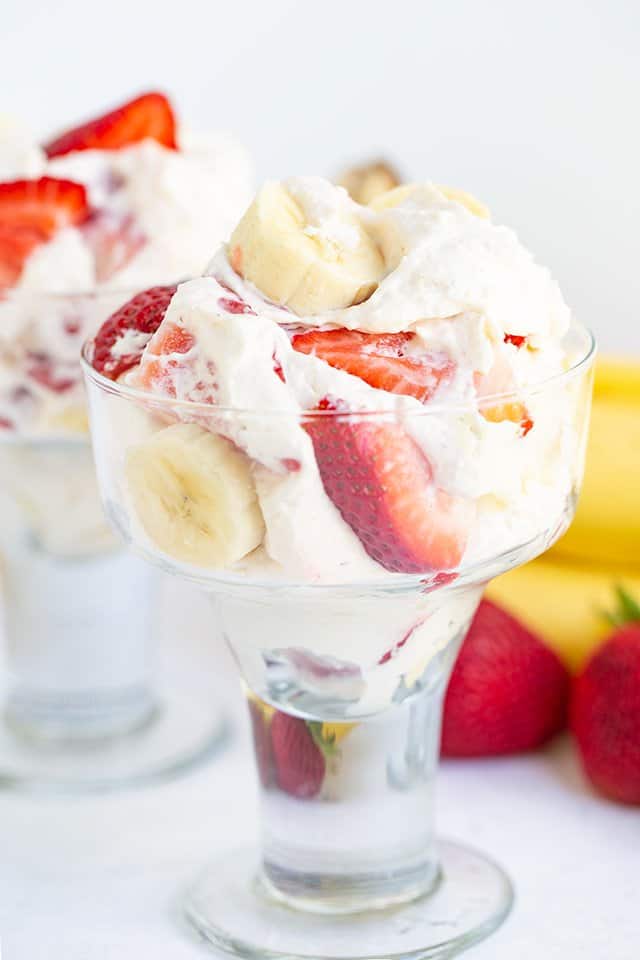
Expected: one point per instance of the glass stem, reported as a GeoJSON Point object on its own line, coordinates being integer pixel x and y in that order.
{"type": "Point", "coordinates": [348, 809]}
{"type": "Point", "coordinates": [78, 641]}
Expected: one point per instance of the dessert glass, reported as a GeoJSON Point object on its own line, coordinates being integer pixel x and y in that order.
{"type": "Point", "coordinates": [345, 682]}
{"type": "Point", "coordinates": [82, 708]}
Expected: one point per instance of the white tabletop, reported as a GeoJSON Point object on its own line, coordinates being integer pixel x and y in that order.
{"type": "Point", "coordinates": [99, 877]}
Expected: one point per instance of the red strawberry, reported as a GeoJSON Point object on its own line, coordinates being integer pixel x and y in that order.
{"type": "Point", "coordinates": [55, 376]}
{"type": "Point", "coordinates": [507, 693]}
{"type": "Point", "coordinates": [382, 361]}
{"type": "Point", "coordinates": [114, 242]}
{"type": "Point", "coordinates": [263, 750]}
{"type": "Point", "coordinates": [159, 366]}
{"type": "Point", "coordinates": [146, 117]}
{"type": "Point", "coordinates": [499, 380]}
{"type": "Point", "coordinates": [31, 211]}
{"type": "Point", "coordinates": [605, 711]}
{"type": "Point", "coordinates": [141, 316]}
{"type": "Point", "coordinates": [299, 761]}
{"type": "Point", "coordinates": [381, 482]}
{"type": "Point", "coordinates": [516, 339]}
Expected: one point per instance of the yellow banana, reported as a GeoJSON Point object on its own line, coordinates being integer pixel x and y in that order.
{"type": "Point", "coordinates": [330, 733]}
{"type": "Point", "coordinates": [617, 377]}
{"type": "Point", "coordinates": [333, 733]}
{"type": "Point", "coordinates": [309, 257]}
{"type": "Point", "coordinates": [607, 525]}
{"type": "Point", "coordinates": [391, 198]}
{"type": "Point", "coordinates": [365, 183]}
{"type": "Point", "coordinates": [564, 602]}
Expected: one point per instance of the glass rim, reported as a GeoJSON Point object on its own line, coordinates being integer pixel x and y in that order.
{"type": "Point", "coordinates": [146, 397]}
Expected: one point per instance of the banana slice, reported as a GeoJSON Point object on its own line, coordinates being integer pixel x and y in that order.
{"type": "Point", "coordinates": [393, 197]}
{"type": "Point", "coordinates": [365, 183]}
{"type": "Point", "coordinates": [194, 495]}
{"type": "Point", "coordinates": [308, 267]}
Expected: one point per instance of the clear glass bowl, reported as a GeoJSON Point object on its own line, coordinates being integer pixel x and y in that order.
{"type": "Point", "coordinates": [82, 705]}
{"type": "Point", "coordinates": [344, 659]}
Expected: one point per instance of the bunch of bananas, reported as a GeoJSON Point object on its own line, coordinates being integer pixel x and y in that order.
{"type": "Point", "coordinates": [565, 595]}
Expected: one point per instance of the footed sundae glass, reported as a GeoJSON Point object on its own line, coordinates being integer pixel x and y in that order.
{"type": "Point", "coordinates": [344, 676]}
{"type": "Point", "coordinates": [83, 706]}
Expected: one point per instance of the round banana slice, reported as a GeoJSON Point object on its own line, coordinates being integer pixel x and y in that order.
{"type": "Point", "coordinates": [308, 267]}
{"type": "Point", "coordinates": [193, 493]}
{"type": "Point", "coordinates": [365, 183]}
{"type": "Point", "coordinates": [393, 197]}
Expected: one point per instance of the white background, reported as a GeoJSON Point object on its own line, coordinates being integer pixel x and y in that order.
{"type": "Point", "coordinates": [530, 104]}
{"type": "Point", "coordinates": [533, 106]}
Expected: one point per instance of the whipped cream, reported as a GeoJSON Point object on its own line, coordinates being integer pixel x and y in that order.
{"type": "Point", "coordinates": [310, 611]}
{"type": "Point", "coordinates": [442, 261]}
{"type": "Point", "coordinates": [183, 202]}
{"type": "Point", "coordinates": [156, 215]}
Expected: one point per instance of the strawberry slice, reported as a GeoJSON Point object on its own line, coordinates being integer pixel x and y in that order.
{"type": "Point", "coordinates": [31, 211]}
{"type": "Point", "coordinates": [381, 482]}
{"type": "Point", "coordinates": [146, 117]}
{"type": "Point", "coordinates": [114, 242]}
{"type": "Point", "coordinates": [51, 374]}
{"type": "Point", "coordinates": [121, 339]}
{"type": "Point", "coordinates": [299, 762]}
{"type": "Point", "coordinates": [160, 366]}
{"type": "Point", "coordinates": [382, 361]}
{"type": "Point", "coordinates": [499, 380]}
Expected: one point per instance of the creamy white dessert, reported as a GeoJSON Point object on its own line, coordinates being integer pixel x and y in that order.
{"type": "Point", "coordinates": [477, 315]}
{"type": "Point", "coordinates": [152, 215]}
{"type": "Point", "coordinates": [364, 397]}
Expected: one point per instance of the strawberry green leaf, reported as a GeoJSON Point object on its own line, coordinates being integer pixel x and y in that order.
{"type": "Point", "coordinates": [326, 745]}
{"type": "Point", "coordinates": [627, 610]}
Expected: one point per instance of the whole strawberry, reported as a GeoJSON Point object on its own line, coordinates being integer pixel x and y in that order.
{"type": "Point", "coordinates": [508, 692]}
{"type": "Point", "coordinates": [605, 710]}
{"type": "Point", "coordinates": [299, 761]}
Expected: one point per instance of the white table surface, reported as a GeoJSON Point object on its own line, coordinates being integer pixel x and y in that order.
{"type": "Point", "coordinates": [99, 877]}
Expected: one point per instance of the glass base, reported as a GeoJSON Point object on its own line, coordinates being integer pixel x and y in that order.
{"type": "Point", "coordinates": [231, 909]}
{"type": "Point", "coordinates": [182, 731]}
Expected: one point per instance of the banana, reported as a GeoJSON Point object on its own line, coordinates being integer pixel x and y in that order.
{"type": "Point", "coordinates": [617, 378]}
{"type": "Point", "coordinates": [193, 493]}
{"type": "Point", "coordinates": [564, 602]}
{"type": "Point", "coordinates": [72, 419]}
{"type": "Point", "coordinates": [467, 200]}
{"type": "Point", "coordinates": [365, 183]}
{"type": "Point", "coordinates": [392, 198]}
{"type": "Point", "coordinates": [334, 733]}
{"type": "Point", "coordinates": [308, 267]}
{"type": "Point", "coordinates": [606, 528]}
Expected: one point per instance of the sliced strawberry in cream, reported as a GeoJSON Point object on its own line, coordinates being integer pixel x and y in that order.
{"type": "Point", "coordinates": [121, 339]}
{"type": "Point", "coordinates": [115, 241]}
{"type": "Point", "coordinates": [385, 361]}
{"type": "Point", "coordinates": [148, 116]}
{"type": "Point", "coordinates": [164, 359]}
{"type": "Point", "coordinates": [31, 213]}
{"type": "Point", "coordinates": [50, 374]}
{"type": "Point", "coordinates": [515, 339]}
{"type": "Point", "coordinates": [496, 382]}
{"type": "Point", "coordinates": [382, 484]}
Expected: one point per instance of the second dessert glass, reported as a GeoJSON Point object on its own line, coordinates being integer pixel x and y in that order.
{"type": "Point", "coordinates": [82, 707]}
{"type": "Point", "coordinates": [345, 682]}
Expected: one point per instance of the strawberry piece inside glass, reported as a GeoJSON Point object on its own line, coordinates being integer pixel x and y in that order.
{"type": "Point", "coordinates": [382, 484]}
{"type": "Point", "coordinates": [384, 361]}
